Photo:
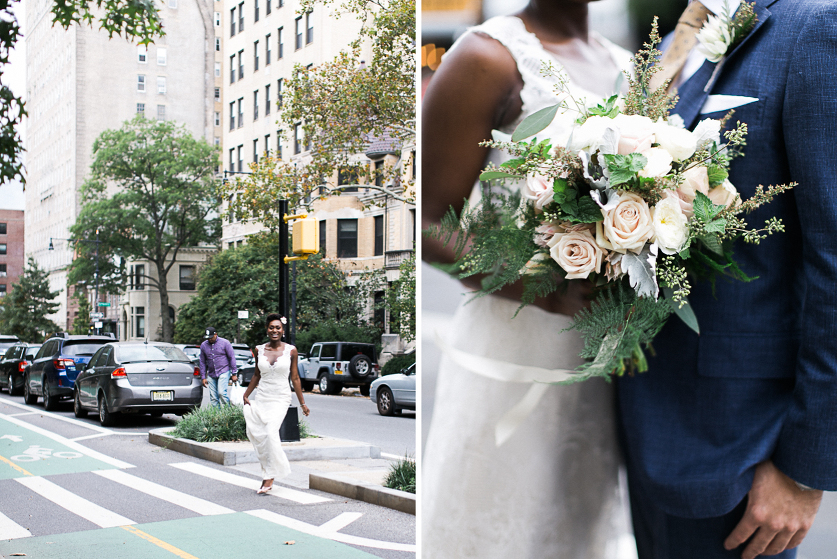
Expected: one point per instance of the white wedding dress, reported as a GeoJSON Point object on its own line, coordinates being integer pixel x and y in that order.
{"type": "Point", "coordinates": [267, 410]}
{"type": "Point", "coordinates": [551, 490]}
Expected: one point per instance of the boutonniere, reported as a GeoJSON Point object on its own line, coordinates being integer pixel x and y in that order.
{"type": "Point", "coordinates": [722, 33]}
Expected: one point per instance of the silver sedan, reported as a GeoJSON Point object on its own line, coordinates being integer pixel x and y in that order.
{"type": "Point", "coordinates": [393, 393]}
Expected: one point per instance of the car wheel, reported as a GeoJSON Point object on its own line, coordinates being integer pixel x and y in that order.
{"type": "Point", "coordinates": [14, 390]}
{"type": "Point", "coordinates": [360, 366]}
{"type": "Point", "coordinates": [329, 387]}
{"type": "Point", "coordinates": [106, 418]}
{"type": "Point", "coordinates": [50, 401]}
{"type": "Point", "coordinates": [386, 404]}
{"type": "Point", "coordinates": [28, 397]}
{"type": "Point", "coordinates": [308, 385]}
{"type": "Point", "coordinates": [364, 390]}
{"type": "Point", "coordinates": [78, 411]}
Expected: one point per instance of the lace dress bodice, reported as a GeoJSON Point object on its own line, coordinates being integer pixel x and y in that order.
{"type": "Point", "coordinates": [274, 378]}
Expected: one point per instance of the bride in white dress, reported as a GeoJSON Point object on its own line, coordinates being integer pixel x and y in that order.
{"type": "Point", "coordinates": [275, 362]}
{"type": "Point", "coordinates": [551, 489]}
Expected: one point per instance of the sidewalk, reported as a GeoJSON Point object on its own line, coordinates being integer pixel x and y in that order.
{"type": "Point", "coordinates": [347, 468]}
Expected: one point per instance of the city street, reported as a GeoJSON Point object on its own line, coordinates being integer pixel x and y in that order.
{"type": "Point", "coordinates": [72, 488]}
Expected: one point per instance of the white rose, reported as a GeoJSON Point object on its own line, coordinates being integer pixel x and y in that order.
{"type": "Point", "coordinates": [539, 189]}
{"type": "Point", "coordinates": [714, 39]}
{"type": "Point", "coordinates": [707, 130]}
{"type": "Point", "coordinates": [588, 137]}
{"type": "Point", "coordinates": [679, 142]}
{"type": "Point", "coordinates": [724, 194]}
{"type": "Point", "coordinates": [636, 133]}
{"type": "Point", "coordinates": [577, 253]}
{"type": "Point", "coordinates": [659, 163]}
{"type": "Point", "coordinates": [670, 229]}
{"type": "Point", "coordinates": [628, 226]}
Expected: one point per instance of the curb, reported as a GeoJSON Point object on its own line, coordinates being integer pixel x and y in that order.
{"type": "Point", "coordinates": [232, 453]}
{"type": "Point", "coordinates": [373, 494]}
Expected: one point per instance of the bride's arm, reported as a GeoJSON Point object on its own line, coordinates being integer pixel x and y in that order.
{"type": "Point", "coordinates": [476, 89]}
{"type": "Point", "coordinates": [254, 382]}
{"type": "Point", "coordinates": [296, 382]}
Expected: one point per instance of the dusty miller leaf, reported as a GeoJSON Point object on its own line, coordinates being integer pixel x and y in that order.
{"type": "Point", "coordinates": [641, 274]}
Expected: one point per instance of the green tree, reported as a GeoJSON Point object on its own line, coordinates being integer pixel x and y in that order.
{"type": "Point", "coordinates": [165, 193]}
{"type": "Point", "coordinates": [133, 19]}
{"type": "Point", "coordinates": [25, 309]}
{"type": "Point", "coordinates": [341, 104]}
{"type": "Point", "coordinates": [81, 323]}
{"type": "Point", "coordinates": [401, 299]}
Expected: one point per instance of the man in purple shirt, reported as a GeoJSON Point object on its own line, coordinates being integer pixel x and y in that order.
{"type": "Point", "coordinates": [217, 366]}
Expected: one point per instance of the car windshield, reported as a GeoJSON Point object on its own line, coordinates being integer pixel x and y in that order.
{"type": "Point", "coordinates": [6, 345]}
{"type": "Point", "coordinates": [192, 351]}
{"type": "Point", "coordinates": [242, 354]}
{"type": "Point", "coordinates": [148, 352]}
{"type": "Point", "coordinates": [81, 349]}
{"type": "Point", "coordinates": [32, 351]}
{"type": "Point", "coordinates": [350, 350]}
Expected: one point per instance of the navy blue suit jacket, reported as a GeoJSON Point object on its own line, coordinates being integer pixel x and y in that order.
{"type": "Point", "coordinates": [760, 382]}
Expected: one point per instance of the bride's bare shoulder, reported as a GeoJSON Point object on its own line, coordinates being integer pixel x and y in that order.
{"type": "Point", "coordinates": [481, 57]}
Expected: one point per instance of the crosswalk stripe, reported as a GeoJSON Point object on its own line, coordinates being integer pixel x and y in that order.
{"type": "Point", "coordinates": [340, 521]}
{"type": "Point", "coordinates": [194, 504]}
{"type": "Point", "coordinates": [249, 483]}
{"type": "Point", "coordinates": [77, 505]}
{"type": "Point", "coordinates": [11, 530]}
{"type": "Point", "coordinates": [305, 528]}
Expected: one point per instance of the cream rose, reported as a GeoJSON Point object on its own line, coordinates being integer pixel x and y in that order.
{"type": "Point", "coordinates": [678, 142]}
{"type": "Point", "coordinates": [628, 226]}
{"type": "Point", "coordinates": [695, 179]}
{"type": "Point", "coordinates": [539, 189]}
{"type": "Point", "coordinates": [577, 253]}
{"type": "Point", "coordinates": [636, 133]}
{"type": "Point", "coordinates": [724, 194]}
{"type": "Point", "coordinates": [659, 163]}
{"type": "Point", "coordinates": [670, 225]}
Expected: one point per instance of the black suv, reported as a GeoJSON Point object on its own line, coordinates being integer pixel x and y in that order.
{"type": "Point", "coordinates": [334, 365]}
{"type": "Point", "coordinates": [53, 372]}
{"type": "Point", "coordinates": [13, 365]}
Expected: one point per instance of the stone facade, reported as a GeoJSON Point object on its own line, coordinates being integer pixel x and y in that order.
{"type": "Point", "coordinates": [12, 259]}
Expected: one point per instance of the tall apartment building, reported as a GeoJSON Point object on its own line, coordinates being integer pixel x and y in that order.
{"type": "Point", "coordinates": [263, 41]}
{"type": "Point", "coordinates": [80, 83]}
{"type": "Point", "coordinates": [12, 260]}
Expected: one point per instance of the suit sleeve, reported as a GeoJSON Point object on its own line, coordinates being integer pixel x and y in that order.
{"type": "Point", "coordinates": [807, 448]}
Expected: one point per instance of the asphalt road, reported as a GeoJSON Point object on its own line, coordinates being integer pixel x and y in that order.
{"type": "Point", "coordinates": [821, 541]}
{"type": "Point", "coordinates": [74, 489]}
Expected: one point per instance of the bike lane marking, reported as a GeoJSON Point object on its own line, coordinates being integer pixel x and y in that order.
{"type": "Point", "coordinates": [31, 450]}
{"type": "Point", "coordinates": [202, 537]}
{"type": "Point", "coordinates": [77, 505]}
{"type": "Point", "coordinates": [249, 483]}
{"type": "Point", "coordinates": [9, 529]}
{"type": "Point", "coordinates": [52, 415]}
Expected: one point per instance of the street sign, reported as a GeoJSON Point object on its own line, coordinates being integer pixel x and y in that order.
{"type": "Point", "coordinates": [104, 304]}
{"type": "Point", "coordinates": [97, 315]}
{"type": "Point", "coordinates": [97, 324]}
{"type": "Point", "coordinates": [244, 314]}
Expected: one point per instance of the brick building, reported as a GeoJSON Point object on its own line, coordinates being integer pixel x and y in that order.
{"type": "Point", "coordinates": [12, 258]}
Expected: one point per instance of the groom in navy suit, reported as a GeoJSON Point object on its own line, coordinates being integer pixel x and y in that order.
{"type": "Point", "coordinates": [731, 436]}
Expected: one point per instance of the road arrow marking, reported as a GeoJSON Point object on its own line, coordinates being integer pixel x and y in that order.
{"type": "Point", "coordinates": [13, 438]}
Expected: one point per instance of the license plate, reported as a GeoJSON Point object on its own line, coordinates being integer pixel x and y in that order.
{"type": "Point", "coordinates": [162, 396]}
{"type": "Point", "coordinates": [338, 372]}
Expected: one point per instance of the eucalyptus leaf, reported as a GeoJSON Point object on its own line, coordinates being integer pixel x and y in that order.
{"type": "Point", "coordinates": [684, 313]}
{"type": "Point", "coordinates": [493, 175]}
{"type": "Point", "coordinates": [535, 123]}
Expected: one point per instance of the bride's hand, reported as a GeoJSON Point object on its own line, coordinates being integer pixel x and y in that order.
{"type": "Point", "coordinates": [246, 401]}
{"type": "Point", "coordinates": [305, 410]}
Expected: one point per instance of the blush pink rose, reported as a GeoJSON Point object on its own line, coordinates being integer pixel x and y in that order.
{"type": "Point", "coordinates": [577, 253]}
{"type": "Point", "coordinates": [628, 226]}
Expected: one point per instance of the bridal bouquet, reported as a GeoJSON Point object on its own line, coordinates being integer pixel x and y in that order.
{"type": "Point", "coordinates": [630, 200]}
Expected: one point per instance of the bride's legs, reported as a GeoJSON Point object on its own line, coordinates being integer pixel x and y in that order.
{"type": "Point", "coordinates": [267, 485]}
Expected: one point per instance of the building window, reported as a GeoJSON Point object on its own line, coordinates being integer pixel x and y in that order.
{"type": "Point", "coordinates": [232, 22]}
{"type": "Point", "coordinates": [241, 64]}
{"type": "Point", "coordinates": [298, 28]}
{"type": "Point", "coordinates": [217, 93]}
{"type": "Point", "coordinates": [279, 144]}
{"type": "Point", "coordinates": [323, 238]}
{"type": "Point", "coordinates": [232, 69]}
{"type": "Point", "coordinates": [379, 235]}
{"type": "Point", "coordinates": [241, 17]}
{"type": "Point", "coordinates": [309, 29]}
{"type": "Point", "coordinates": [267, 46]}
{"type": "Point", "coordinates": [256, 10]}
{"type": "Point", "coordinates": [232, 160]}
{"type": "Point", "coordinates": [217, 44]}
{"type": "Point", "coordinates": [266, 101]}
{"type": "Point", "coordinates": [187, 278]}
{"type": "Point", "coordinates": [140, 108]}
{"type": "Point", "coordinates": [2, 229]}
{"type": "Point", "coordinates": [218, 70]}
{"type": "Point", "coordinates": [256, 105]}
{"type": "Point", "coordinates": [413, 218]}
{"type": "Point", "coordinates": [161, 85]}
{"type": "Point", "coordinates": [2, 289]}
{"type": "Point", "coordinates": [345, 177]}
{"type": "Point", "coordinates": [241, 112]}
{"type": "Point", "coordinates": [256, 150]}
{"type": "Point", "coordinates": [279, 93]}
{"type": "Point", "coordinates": [217, 118]}
{"type": "Point", "coordinates": [297, 138]}
{"type": "Point", "coordinates": [281, 3]}
{"type": "Point", "coordinates": [240, 160]}
{"type": "Point", "coordinates": [379, 173]}
{"type": "Point", "coordinates": [161, 112]}
{"type": "Point", "coordinates": [255, 56]}
{"type": "Point", "coordinates": [141, 83]}
{"type": "Point", "coordinates": [346, 238]}
{"type": "Point", "coordinates": [2, 270]}
{"type": "Point", "coordinates": [267, 142]}
{"type": "Point", "coordinates": [232, 115]}
{"type": "Point", "coordinates": [139, 315]}
{"type": "Point", "coordinates": [139, 276]}
{"type": "Point", "coordinates": [267, 7]}
{"type": "Point", "coordinates": [281, 51]}
{"type": "Point", "coordinates": [142, 54]}
{"type": "Point", "coordinates": [379, 311]}
{"type": "Point", "coordinates": [161, 56]}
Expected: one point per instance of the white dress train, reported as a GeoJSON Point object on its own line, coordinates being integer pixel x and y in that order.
{"type": "Point", "coordinates": [551, 491]}
{"type": "Point", "coordinates": [268, 405]}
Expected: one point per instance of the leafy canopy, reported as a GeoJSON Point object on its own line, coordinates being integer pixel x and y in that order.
{"type": "Point", "coordinates": [26, 308]}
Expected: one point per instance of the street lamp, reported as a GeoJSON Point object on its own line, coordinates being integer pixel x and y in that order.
{"type": "Point", "coordinates": [96, 276]}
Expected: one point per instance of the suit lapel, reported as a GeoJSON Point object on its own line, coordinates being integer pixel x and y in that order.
{"type": "Point", "coordinates": [693, 92]}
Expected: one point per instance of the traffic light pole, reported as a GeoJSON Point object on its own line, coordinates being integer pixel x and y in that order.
{"type": "Point", "coordinates": [284, 309]}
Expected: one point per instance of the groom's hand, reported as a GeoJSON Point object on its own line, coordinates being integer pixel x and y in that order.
{"type": "Point", "coordinates": [778, 516]}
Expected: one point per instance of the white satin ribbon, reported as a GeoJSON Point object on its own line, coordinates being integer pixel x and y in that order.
{"type": "Point", "coordinates": [508, 372]}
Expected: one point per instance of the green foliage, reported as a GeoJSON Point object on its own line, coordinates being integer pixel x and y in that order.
{"type": "Point", "coordinates": [166, 192]}
{"type": "Point", "coordinates": [211, 424]}
{"type": "Point", "coordinates": [402, 475]}
{"type": "Point", "coordinates": [305, 431]}
{"type": "Point", "coordinates": [401, 300]}
{"type": "Point", "coordinates": [624, 167]}
{"type": "Point", "coordinates": [397, 363]}
{"type": "Point", "coordinates": [534, 123]}
{"type": "Point", "coordinates": [12, 108]}
{"type": "Point", "coordinates": [81, 323]}
{"type": "Point", "coordinates": [641, 99]}
{"type": "Point", "coordinates": [25, 309]}
{"type": "Point", "coordinates": [135, 19]}
{"type": "Point", "coordinates": [609, 109]}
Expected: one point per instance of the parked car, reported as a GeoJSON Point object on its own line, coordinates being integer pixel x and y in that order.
{"type": "Point", "coordinates": [55, 367]}
{"type": "Point", "coordinates": [393, 393]}
{"type": "Point", "coordinates": [337, 364]}
{"type": "Point", "coordinates": [245, 362]}
{"type": "Point", "coordinates": [144, 377]}
{"type": "Point", "coordinates": [13, 365]}
{"type": "Point", "coordinates": [193, 352]}
{"type": "Point", "coordinates": [7, 341]}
